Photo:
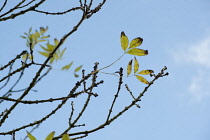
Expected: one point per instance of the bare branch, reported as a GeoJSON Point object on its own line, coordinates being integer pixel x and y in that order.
{"type": "Point", "coordinates": [5, 2]}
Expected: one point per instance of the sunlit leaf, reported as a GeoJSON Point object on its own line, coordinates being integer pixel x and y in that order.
{"type": "Point", "coordinates": [66, 67]}
{"type": "Point", "coordinates": [129, 67]}
{"type": "Point", "coordinates": [45, 49]}
{"type": "Point", "coordinates": [124, 41]}
{"type": "Point", "coordinates": [146, 72]}
{"type": "Point", "coordinates": [50, 136]}
{"type": "Point", "coordinates": [30, 56]}
{"type": "Point", "coordinates": [24, 57]}
{"type": "Point", "coordinates": [63, 51]}
{"type": "Point", "coordinates": [52, 60]}
{"type": "Point", "coordinates": [44, 54]}
{"type": "Point", "coordinates": [31, 137]}
{"type": "Point", "coordinates": [23, 37]}
{"type": "Point", "coordinates": [55, 56]}
{"type": "Point", "coordinates": [41, 40]}
{"type": "Point", "coordinates": [136, 51]}
{"type": "Point", "coordinates": [37, 34]}
{"type": "Point", "coordinates": [43, 30]}
{"type": "Point", "coordinates": [65, 137]}
{"type": "Point", "coordinates": [45, 37]}
{"type": "Point", "coordinates": [50, 47]}
{"type": "Point", "coordinates": [136, 65]}
{"type": "Point", "coordinates": [142, 79]}
{"type": "Point", "coordinates": [78, 68]}
{"type": "Point", "coordinates": [76, 75]}
{"type": "Point", "coordinates": [136, 42]}
{"type": "Point", "coordinates": [56, 42]}
{"type": "Point", "coordinates": [30, 30]}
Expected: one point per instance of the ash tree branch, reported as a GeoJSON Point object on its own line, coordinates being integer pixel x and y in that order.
{"type": "Point", "coordinates": [160, 74]}
{"type": "Point", "coordinates": [94, 76]}
{"type": "Point", "coordinates": [12, 16]}
{"type": "Point", "coordinates": [32, 84]}
{"type": "Point", "coordinates": [118, 91]}
{"type": "Point", "coordinates": [5, 3]}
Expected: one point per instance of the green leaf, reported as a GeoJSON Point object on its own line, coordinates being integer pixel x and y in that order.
{"type": "Point", "coordinates": [37, 34]}
{"type": "Point", "coordinates": [50, 136]}
{"type": "Point", "coordinates": [78, 68]}
{"type": "Point", "coordinates": [52, 60]}
{"type": "Point", "coordinates": [124, 41]}
{"type": "Point", "coordinates": [136, 65]}
{"type": "Point", "coordinates": [136, 51]}
{"type": "Point", "coordinates": [24, 57]}
{"type": "Point", "coordinates": [65, 137]}
{"type": "Point", "coordinates": [76, 75]}
{"type": "Point", "coordinates": [45, 37]}
{"type": "Point", "coordinates": [50, 47]}
{"type": "Point", "coordinates": [55, 56]}
{"type": "Point", "coordinates": [129, 67]}
{"type": "Point", "coordinates": [23, 37]}
{"type": "Point", "coordinates": [31, 137]}
{"type": "Point", "coordinates": [41, 40]}
{"type": "Point", "coordinates": [44, 54]}
{"type": "Point", "coordinates": [142, 79]}
{"type": "Point", "coordinates": [56, 42]}
{"type": "Point", "coordinates": [66, 67]}
{"type": "Point", "coordinates": [30, 30]}
{"type": "Point", "coordinates": [136, 42]}
{"type": "Point", "coordinates": [146, 72]}
{"type": "Point", "coordinates": [45, 49]}
{"type": "Point", "coordinates": [63, 51]}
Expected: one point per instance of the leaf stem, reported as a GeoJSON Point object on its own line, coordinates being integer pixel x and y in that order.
{"type": "Point", "coordinates": [112, 62]}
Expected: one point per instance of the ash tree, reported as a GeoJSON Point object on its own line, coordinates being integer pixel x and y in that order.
{"type": "Point", "coordinates": [39, 43]}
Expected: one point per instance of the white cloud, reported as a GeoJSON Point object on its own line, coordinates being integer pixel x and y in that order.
{"type": "Point", "coordinates": [198, 55]}
{"type": "Point", "coordinates": [199, 87]}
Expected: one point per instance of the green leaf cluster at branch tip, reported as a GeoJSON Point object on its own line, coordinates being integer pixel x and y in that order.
{"type": "Point", "coordinates": [49, 137]}
{"type": "Point", "coordinates": [33, 38]}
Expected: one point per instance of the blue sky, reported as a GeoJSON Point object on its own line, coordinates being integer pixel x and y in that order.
{"type": "Point", "coordinates": [177, 35]}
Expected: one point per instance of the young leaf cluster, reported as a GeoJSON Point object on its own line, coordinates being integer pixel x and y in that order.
{"type": "Point", "coordinates": [50, 48]}
{"type": "Point", "coordinates": [38, 36]}
{"type": "Point", "coordinates": [131, 49]}
{"type": "Point", "coordinates": [68, 66]}
{"type": "Point", "coordinates": [49, 137]}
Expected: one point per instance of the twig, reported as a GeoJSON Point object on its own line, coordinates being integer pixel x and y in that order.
{"type": "Point", "coordinates": [58, 13]}
{"type": "Point", "coordinates": [161, 74]}
{"type": "Point", "coordinates": [72, 113]}
{"type": "Point", "coordinates": [79, 137]}
{"type": "Point", "coordinates": [13, 60]}
{"type": "Point", "coordinates": [12, 16]}
{"type": "Point", "coordinates": [26, 4]}
{"type": "Point", "coordinates": [94, 76]}
{"type": "Point", "coordinates": [17, 70]}
{"type": "Point", "coordinates": [118, 90]}
{"type": "Point", "coordinates": [14, 8]}
{"type": "Point", "coordinates": [41, 68]}
{"type": "Point", "coordinates": [5, 2]}
{"type": "Point", "coordinates": [132, 95]}
{"type": "Point", "coordinates": [10, 69]}
{"type": "Point", "coordinates": [32, 130]}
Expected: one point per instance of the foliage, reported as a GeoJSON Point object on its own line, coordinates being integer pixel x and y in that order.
{"type": "Point", "coordinates": [38, 41]}
{"type": "Point", "coordinates": [49, 137]}
{"type": "Point", "coordinates": [39, 36]}
{"type": "Point", "coordinates": [135, 51]}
